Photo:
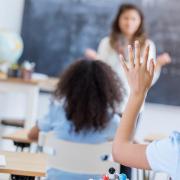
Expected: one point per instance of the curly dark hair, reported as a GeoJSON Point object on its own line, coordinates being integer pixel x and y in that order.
{"type": "Point", "coordinates": [116, 30]}
{"type": "Point", "coordinates": [90, 88]}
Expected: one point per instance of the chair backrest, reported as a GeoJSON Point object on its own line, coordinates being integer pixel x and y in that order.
{"type": "Point", "coordinates": [79, 157]}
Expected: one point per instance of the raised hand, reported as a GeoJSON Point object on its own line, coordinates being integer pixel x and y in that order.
{"type": "Point", "coordinates": [163, 59]}
{"type": "Point", "coordinates": [91, 54]}
{"type": "Point", "coordinates": [139, 73]}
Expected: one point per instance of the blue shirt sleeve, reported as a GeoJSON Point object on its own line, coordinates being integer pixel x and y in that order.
{"type": "Point", "coordinates": [46, 123]}
{"type": "Point", "coordinates": [164, 155]}
{"type": "Point", "coordinates": [112, 127]}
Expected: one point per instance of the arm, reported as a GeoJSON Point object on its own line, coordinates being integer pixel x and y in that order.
{"type": "Point", "coordinates": [44, 124]}
{"type": "Point", "coordinates": [162, 60]}
{"type": "Point", "coordinates": [139, 79]}
{"type": "Point", "coordinates": [101, 51]}
{"type": "Point", "coordinates": [34, 133]}
{"type": "Point", "coordinates": [91, 54]}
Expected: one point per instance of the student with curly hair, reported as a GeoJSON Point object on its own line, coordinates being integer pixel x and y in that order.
{"type": "Point", "coordinates": [83, 109]}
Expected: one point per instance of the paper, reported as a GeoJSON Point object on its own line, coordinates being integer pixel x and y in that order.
{"type": "Point", "coordinates": [2, 160]}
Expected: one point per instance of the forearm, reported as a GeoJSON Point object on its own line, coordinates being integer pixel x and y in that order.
{"type": "Point", "coordinates": [124, 151]}
{"type": "Point", "coordinates": [140, 80]}
{"type": "Point", "coordinates": [128, 121]}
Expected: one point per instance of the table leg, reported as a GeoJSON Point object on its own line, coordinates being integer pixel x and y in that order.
{"type": "Point", "coordinates": [17, 177]}
{"type": "Point", "coordinates": [21, 145]}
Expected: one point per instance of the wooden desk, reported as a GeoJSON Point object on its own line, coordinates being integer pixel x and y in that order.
{"type": "Point", "coordinates": [152, 137]}
{"type": "Point", "coordinates": [31, 90]}
{"type": "Point", "coordinates": [18, 80]}
{"type": "Point", "coordinates": [24, 164]}
{"type": "Point", "coordinates": [20, 138]}
{"type": "Point", "coordinates": [48, 84]}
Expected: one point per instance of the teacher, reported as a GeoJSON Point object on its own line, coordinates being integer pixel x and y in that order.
{"type": "Point", "coordinates": [127, 27]}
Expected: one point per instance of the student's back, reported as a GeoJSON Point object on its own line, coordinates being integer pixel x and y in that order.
{"type": "Point", "coordinates": [83, 109]}
{"type": "Point", "coordinates": [57, 121]}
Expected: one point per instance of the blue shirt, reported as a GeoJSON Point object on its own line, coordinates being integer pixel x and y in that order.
{"type": "Point", "coordinates": [164, 155]}
{"type": "Point", "coordinates": [57, 121]}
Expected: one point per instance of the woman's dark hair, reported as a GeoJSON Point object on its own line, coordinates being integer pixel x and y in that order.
{"type": "Point", "coordinates": [90, 89]}
{"type": "Point", "coordinates": [116, 30]}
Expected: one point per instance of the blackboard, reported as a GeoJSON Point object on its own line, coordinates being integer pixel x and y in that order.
{"type": "Point", "coordinates": [163, 24]}
{"type": "Point", "coordinates": [56, 33]}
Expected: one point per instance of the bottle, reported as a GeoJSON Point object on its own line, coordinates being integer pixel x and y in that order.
{"type": "Point", "coordinates": [122, 177]}
{"type": "Point", "coordinates": [112, 173]}
{"type": "Point", "coordinates": [106, 177]}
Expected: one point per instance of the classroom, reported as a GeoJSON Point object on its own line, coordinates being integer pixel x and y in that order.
{"type": "Point", "coordinates": [89, 90]}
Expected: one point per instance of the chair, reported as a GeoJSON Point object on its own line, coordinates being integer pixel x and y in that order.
{"type": "Point", "coordinates": [78, 157]}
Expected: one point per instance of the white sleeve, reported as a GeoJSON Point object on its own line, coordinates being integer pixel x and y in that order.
{"type": "Point", "coordinates": [103, 49]}
{"type": "Point", "coordinates": [152, 55]}
{"type": "Point", "coordinates": [163, 155]}
{"type": "Point", "coordinates": [152, 49]}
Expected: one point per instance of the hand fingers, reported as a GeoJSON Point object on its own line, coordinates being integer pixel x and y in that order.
{"type": "Point", "coordinates": [123, 63]}
{"type": "Point", "coordinates": [137, 54]}
{"type": "Point", "coordinates": [167, 57]}
{"type": "Point", "coordinates": [146, 55]}
{"type": "Point", "coordinates": [151, 67]}
{"type": "Point", "coordinates": [130, 56]}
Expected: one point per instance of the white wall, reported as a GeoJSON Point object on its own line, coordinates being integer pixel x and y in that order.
{"type": "Point", "coordinates": [159, 119]}
{"type": "Point", "coordinates": [11, 14]}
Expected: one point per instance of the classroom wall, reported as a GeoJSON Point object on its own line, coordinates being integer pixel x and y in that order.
{"type": "Point", "coordinates": [11, 14]}
{"type": "Point", "coordinates": [160, 119]}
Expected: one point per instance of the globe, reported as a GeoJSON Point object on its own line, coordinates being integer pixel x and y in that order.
{"type": "Point", "coordinates": [11, 46]}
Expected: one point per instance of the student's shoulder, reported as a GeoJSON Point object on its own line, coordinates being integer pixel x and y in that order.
{"type": "Point", "coordinates": [57, 105]}
{"type": "Point", "coordinates": [175, 140]}
{"type": "Point", "coordinates": [171, 143]}
{"type": "Point", "coordinates": [163, 154]}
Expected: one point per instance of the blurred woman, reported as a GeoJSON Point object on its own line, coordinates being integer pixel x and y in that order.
{"type": "Point", "coordinates": [127, 27]}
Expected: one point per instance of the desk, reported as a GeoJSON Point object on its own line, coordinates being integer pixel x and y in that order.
{"type": "Point", "coordinates": [31, 89]}
{"type": "Point", "coordinates": [20, 138]}
{"type": "Point", "coordinates": [152, 137]}
{"type": "Point", "coordinates": [48, 85]}
{"type": "Point", "coordinates": [24, 164]}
